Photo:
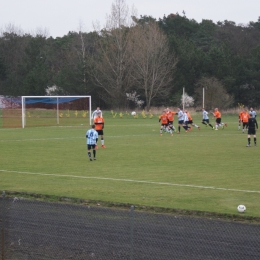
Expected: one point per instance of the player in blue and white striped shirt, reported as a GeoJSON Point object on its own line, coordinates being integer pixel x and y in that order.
{"type": "Point", "coordinates": [180, 119]}
{"type": "Point", "coordinates": [205, 118]}
{"type": "Point", "coordinates": [252, 113]}
{"type": "Point", "coordinates": [92, 138]}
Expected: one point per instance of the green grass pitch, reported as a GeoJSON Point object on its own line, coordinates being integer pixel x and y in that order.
{"type": "Point", "coordinates": [202, 170]}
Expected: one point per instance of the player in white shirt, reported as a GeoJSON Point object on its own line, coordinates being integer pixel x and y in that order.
{"type": "Point", "coordinates": [185, 121]}
{"type": "Point", "coordinates": [205, 118]}
{"type": "Point", "coordinates": [96, 112]}
{"type": "Point", "coordinates": [92, 138]}
{"type": "Point", "coordinates": [252, 112]}
{"type": "Point", "coordinates": [180, 119]}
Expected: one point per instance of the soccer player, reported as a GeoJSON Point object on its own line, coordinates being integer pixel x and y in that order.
{"type": "Point", "coordinates": [180, 119]}
{"type": "Point", "coordinates": [190, 122]}
{"type": "Point", "coordinates": [252, 126]}
{"type": "Point", "coordinates": [217, 115]}
{"type": "Point", "coordinates": [185, 122]}
{"type": "Point", "coordinates": [205, 118]}
{"type": "Point", "coordinates": [245, 118]}
{"type": "Point", "coordinates": [92, 138]}
{"type": "Point", "coordinates": [240, 119]}
{"type": "Point", "coordinates": [95, 113]}
{"type": "Point", "coordinates": [100, 124]}
{"type": "Point", "coordinates": [252, 112]}
{"type": "Point", "coordinates": [163, 118]}
{"type": "Point", "coordinates": [170, 116]}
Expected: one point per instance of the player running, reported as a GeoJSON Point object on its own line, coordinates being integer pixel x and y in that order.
{"type": "Point", "coordinates": [217, 115]}
{"type": "Point", "coordinates": [180, 119]}
{"type": "Point", "coordinates": [163, 118]}
{"type": "Point", "coordinates": [205, 118]}
{"type": "Point", "coordinates": [170, 116]}
{"type": "Point", "coordinates": [186, 121]}
{"type": "Point", "coordinates": [190, 122]}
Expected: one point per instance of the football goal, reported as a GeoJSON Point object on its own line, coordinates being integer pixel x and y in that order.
{"type": "Point", "coordinates": [45, 111]}
{"type": "Point", "coordinates": [55, 110]}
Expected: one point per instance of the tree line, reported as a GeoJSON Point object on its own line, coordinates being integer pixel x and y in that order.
{"type": "Point", "coordinates": [138, 62]}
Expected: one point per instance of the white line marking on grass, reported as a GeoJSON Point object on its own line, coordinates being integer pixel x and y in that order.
{"type": "Point", "coordinates": [134, 181]}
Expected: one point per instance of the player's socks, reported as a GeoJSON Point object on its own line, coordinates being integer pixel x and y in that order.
{"type": "Point", "coordinates": [179, 129]}
{"type": "Point", "coordinates": [255, 140]}
{"type": "Point", "coordinates": [89, 155]}
{"type": "Point", "coordinates": [94, 154]}
{"type": "Point", "coordinates": [211, 125]}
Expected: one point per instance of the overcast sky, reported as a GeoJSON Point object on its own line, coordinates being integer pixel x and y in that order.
{"type": "Point", "coordinates": [58, 17]}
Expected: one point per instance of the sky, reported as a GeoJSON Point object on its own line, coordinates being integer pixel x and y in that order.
{"type": "Point", "coordinates": [57, 17]}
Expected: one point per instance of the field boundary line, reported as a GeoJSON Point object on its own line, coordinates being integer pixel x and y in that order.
{"type": "Point", "coordinates": [133, 181]}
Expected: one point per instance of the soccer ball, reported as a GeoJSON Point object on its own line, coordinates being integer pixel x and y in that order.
{"type": "Point", "coordinates": [241, 208]}
{"type": "Point", "coordinates": [133, 113]}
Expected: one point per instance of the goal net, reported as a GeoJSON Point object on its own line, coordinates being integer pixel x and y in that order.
{"type": "Point", "coordinates": [47, 111]}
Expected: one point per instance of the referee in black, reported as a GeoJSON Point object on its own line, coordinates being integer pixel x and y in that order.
{"type": "Point", "coordinates": [252, 127]}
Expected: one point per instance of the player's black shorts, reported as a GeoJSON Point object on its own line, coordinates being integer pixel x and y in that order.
{"type": "Point", "coordinates": [100, 132]}
{"type": "Point", "coordinates": [251, 131]}
{"type": "Point", "coordinates": [91, 146]}
{"type": "Point", "coordinates": [190, 122]}
{"type": "Point", "coordinates": [180, 122]}
{"type": "Point", "coordinates": [245, 124]}
{"type": "Point", "coordinates": [205, 120]}
{"type": "Point", "coordinates": [164, 125]}
{"type": "Point", "coordinates": [218, 120]}
{"type": "Point", "coordinates": [170, 122]}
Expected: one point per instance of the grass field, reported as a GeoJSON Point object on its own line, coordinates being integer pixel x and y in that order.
{"type": "Point", "coordinates": [202, 170]}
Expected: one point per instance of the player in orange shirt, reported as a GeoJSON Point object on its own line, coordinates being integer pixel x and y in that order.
{"type": "Point", "coordinates": [245, 117]}
{"type": "Point", "coordinates": [217, 115]}
{"type": "Point", "coordinates": [100, 123]}
{"type": "Point", "coordinates": [190, 122]}
{"type": "Point", "coordinates": [163, 118]}
{"type": "Point", "coordinates": [240, 119]}
{"type": "Point", "coordinates": [170, 115]}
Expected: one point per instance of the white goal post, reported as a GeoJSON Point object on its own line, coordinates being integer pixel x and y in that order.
{"type": "Point", "coordinates": [55, 100]}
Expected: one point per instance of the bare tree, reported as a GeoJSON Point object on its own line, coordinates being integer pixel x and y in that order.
{"type": "Point", "coordinates": [153, 65]}
{"type": "Point", "coordinates": [111, 62]}
{"type": "Point", "coordinates": [215, 94]}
